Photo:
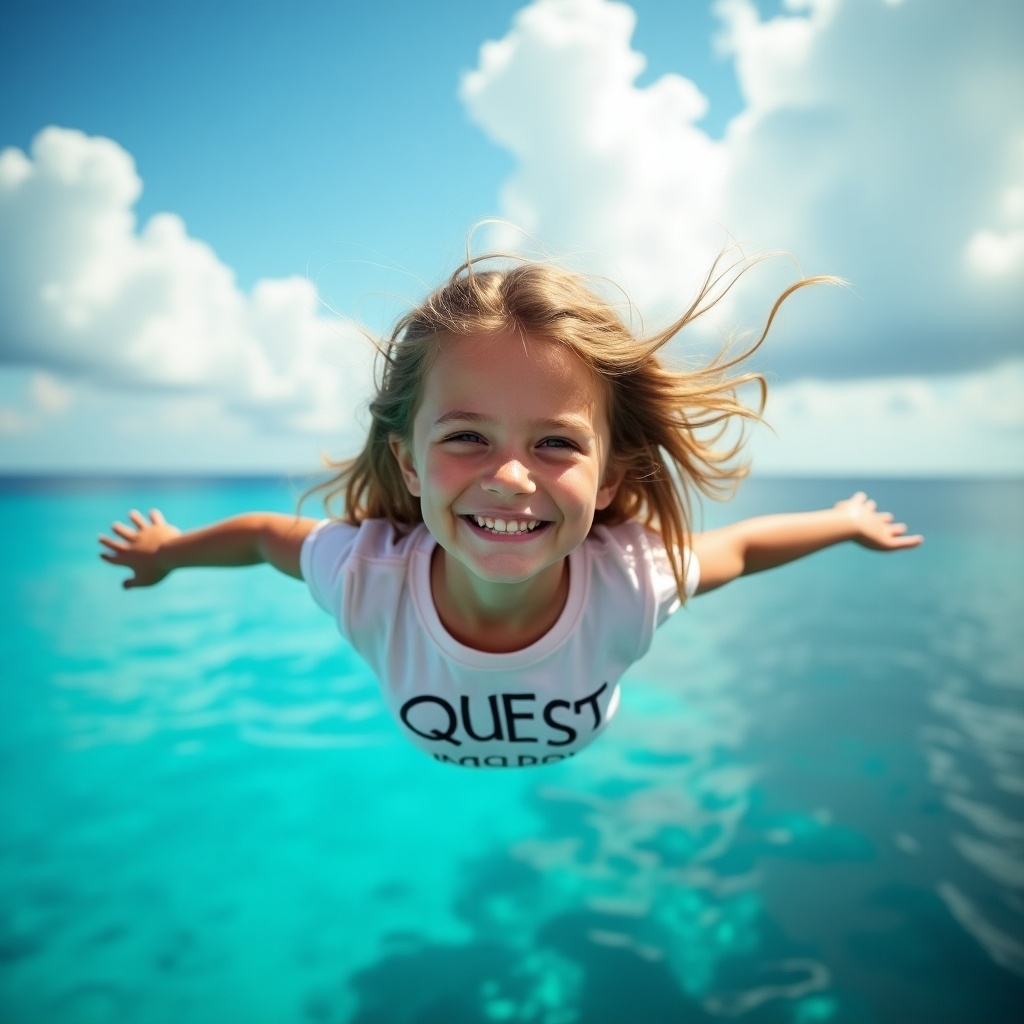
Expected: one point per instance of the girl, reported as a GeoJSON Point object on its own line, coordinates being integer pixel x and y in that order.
{"type": "Point", "coordinates": [517, 524]}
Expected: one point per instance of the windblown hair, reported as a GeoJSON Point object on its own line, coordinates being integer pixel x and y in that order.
{"type": "Point", "coordinates": [668, 425]}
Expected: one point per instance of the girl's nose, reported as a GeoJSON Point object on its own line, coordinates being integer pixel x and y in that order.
{"type": "Point", "coordinates": [508, 476]}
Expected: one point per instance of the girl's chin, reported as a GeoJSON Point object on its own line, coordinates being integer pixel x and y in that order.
{"type": "Point", "coordinates": [499, 568]}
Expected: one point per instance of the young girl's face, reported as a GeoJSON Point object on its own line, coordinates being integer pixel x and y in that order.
{"type": "Point", "coordinates": [509, 431]}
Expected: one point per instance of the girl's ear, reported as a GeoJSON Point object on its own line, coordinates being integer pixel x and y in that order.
{"type": "Point", "coordinates": [609, 486]}
{"type": "Point", "coordinates": [403, 456]}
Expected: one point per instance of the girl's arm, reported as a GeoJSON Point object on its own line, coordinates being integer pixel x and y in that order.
{"type": "Point", "coordinates": [763, 543]}
{"type": "Point", "coordinates": [155, 548]}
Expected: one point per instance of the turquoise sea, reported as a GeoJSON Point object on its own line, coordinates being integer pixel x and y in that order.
{"type": "Point", "coordinates": [810, 806]}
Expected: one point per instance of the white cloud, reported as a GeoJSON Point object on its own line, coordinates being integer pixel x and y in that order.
{"type": "Point", "coordinates": [602, 165]}
{"type": "Point", "coordinates": [85, 294]}
{"type": "Point", "coordinates": [49, 395]}
{"type": "Point", "coordinates": [46, 399]}
{"type": "Point", "coordinates": [970, 424]}
{"type": "Point", "coordinates": [993, 255]}
{"type": "Point", "coordinates": [12, 422]}
{"type": "Point", "coordinates": [880, 142]}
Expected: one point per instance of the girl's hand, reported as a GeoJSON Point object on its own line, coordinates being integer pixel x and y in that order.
{"type": "Point", "coordinates": [140, 549]}
{"type": "Point", "coordinates": [875, 529]}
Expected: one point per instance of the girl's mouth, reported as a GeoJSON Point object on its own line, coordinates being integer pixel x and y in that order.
{"type": "Point", "coordinates": [505, 527]}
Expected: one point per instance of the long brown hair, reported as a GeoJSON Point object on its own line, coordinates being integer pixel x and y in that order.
{"type": "Point", "coordinates": [668, 426]}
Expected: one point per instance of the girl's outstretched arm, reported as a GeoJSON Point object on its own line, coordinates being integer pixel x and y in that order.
{"type": "Point", "coordinates": [763, 543]}
{"type": "Point", "coordinates": [154, 548]}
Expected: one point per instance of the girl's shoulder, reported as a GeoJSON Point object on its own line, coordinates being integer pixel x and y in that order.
{"type": "Point", "coordinates": [638, 552]}
{"type": "Point", "coordinates": [630, 536]}
{"type": "Point", "coordinates": [629, 549]}
{"type": "Point", "coordinates": [334, 549]}
{"type": "Point", "coordinates": [380, 538]}
{"type": "Point", "coordinates": [337, 542]}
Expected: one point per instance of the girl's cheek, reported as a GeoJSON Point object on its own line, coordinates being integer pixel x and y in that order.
{"type": "Point", "coordinates": [441, 471]}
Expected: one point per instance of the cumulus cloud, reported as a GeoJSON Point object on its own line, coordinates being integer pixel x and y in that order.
{"type": "Point", "coordinates": [49, 394]}
{"type": "Point", "coordinates": [47, 397]}
{"type": "Point", "coordinates": [87, 295]}
{"type": "Point", "coordinates": [880, 142]}
{"type": "Point", "coordinates": [602, 165]}
{"type": "Point", "coordinates": [12, 422]}
{"type": "Point", "coordinates": [967, 424]}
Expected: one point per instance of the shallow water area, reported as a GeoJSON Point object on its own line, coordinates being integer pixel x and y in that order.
{"type": "Point", "coordinates": [808, 807]}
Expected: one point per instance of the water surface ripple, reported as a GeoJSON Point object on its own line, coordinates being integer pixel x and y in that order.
{"type": "Point", "coordinates": [807, 809]}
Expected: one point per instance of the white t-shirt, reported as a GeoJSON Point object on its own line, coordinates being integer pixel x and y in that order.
{"type": "Point", "coordinates": [533, 706]}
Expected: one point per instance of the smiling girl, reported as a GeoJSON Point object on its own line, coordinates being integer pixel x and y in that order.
{"type": "Point", "coordinates": [517, 524]}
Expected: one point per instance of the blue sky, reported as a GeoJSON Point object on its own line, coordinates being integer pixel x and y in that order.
{"type": "Point", "coordinates": [343, 145]}
{"type": "Point", "coordinates": [290, 133]}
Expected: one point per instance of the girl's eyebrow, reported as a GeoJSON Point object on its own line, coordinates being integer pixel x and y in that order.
{"type": "Point", "coordinates": [459, 414]}
{"type": "Point", "coordinates": [569, 422]}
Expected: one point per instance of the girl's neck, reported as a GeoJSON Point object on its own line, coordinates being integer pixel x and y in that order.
{"type": "Point", "coordinates": [496, 617]}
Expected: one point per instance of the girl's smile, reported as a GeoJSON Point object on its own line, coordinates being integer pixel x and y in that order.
{"type": "Point", "coordinates": [500, 529]}
{"type": "Point", "coordinates": [509, 459]}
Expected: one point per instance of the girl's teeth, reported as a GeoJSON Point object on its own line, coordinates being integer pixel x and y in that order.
{"type": "Point", "coordinates": [509, 526]}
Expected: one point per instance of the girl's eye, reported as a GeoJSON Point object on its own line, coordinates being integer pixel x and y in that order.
{"type": "Point", "coordinates": [466, 435]}
{"type": "Point", "coordinates": [557, 442]}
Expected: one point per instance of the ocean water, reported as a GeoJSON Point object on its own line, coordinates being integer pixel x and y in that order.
{"type": "Point", "coordinates": [809, 808]}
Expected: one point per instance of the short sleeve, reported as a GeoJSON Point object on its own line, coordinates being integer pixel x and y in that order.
{"type": "Point", "coordinates": [692, 572]}
{"type": "Point", "coordinates": [665, 588]}
{"type": "Point", "coordinates": [325, 551]}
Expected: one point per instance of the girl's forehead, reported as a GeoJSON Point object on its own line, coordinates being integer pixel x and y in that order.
{"type": "Point", "coordinates": [514, 383]}
{"type": "Point", "coordinates": [515, 367]}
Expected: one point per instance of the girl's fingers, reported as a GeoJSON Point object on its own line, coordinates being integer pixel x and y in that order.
{"type": "Point", "coordinates": [157, 516]}
{"type": "Point", "coordinates": [137, 517]}
{"type": "Point", "coordinates": [107, 557]}
{"type": "Point", "coordinates": [114, 545]}
{"type": "Point", "coordinates": [898, 537]}
{"type": "Point", "coordinates": [123, 531]}
{"type": "Point", "coordinates": [886, 517]}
